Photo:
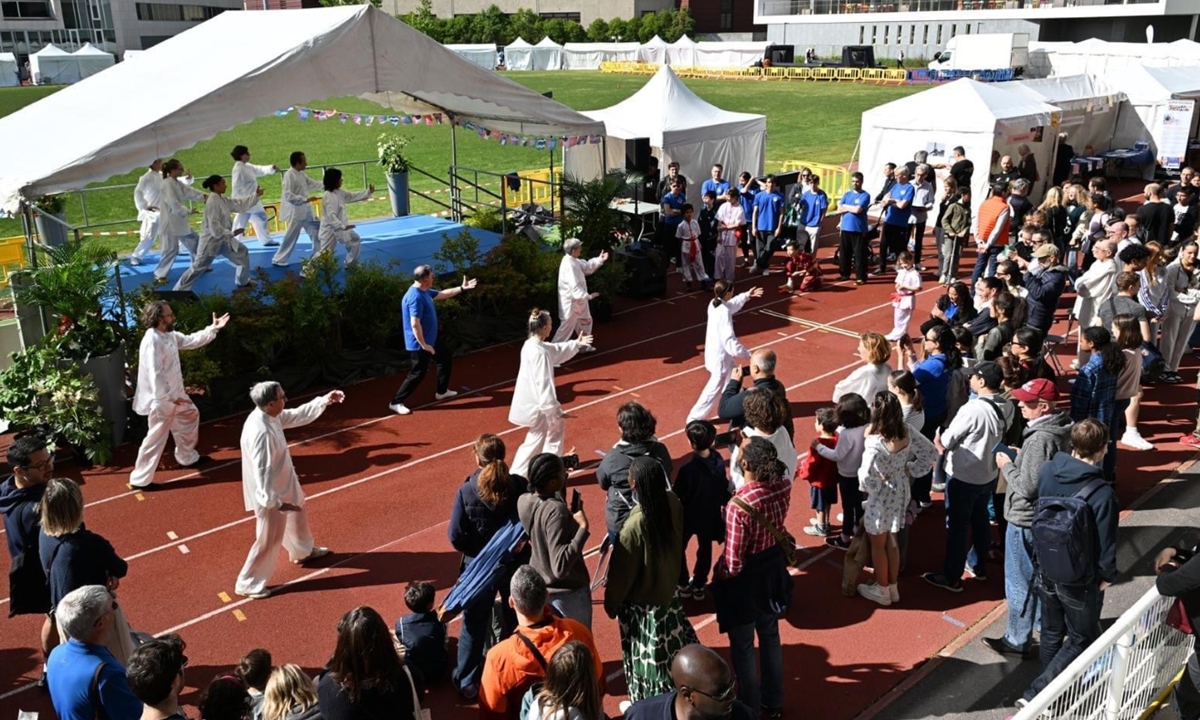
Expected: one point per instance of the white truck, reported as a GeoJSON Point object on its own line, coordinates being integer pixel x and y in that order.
{"type": "Point", "coordinates": [988, 51]}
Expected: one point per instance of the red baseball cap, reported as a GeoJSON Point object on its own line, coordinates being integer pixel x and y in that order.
{"type": "Point", "coordinates": [1037, 389]}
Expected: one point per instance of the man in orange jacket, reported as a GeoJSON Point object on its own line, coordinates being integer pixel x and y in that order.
{"type": "Point", "coordinates": [991, 235]}
{"type": "Point", "coordinates": [515, 664]}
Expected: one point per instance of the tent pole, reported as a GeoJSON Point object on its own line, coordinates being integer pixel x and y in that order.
{"type": "Point", "coordinates": [552, 181]}
{"type": "Point", "coordinates": [455, 209]}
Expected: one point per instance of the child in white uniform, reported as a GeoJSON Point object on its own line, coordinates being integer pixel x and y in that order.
{"type": "Point", "coordinates": [691, 259]}
{"type": "Point", "coordinates": [904, 299]}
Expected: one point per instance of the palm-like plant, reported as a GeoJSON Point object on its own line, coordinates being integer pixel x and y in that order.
{"type": "Point", "coordinates": [589, 213]}
{"type": "Point", "coordinates": [72, 284]}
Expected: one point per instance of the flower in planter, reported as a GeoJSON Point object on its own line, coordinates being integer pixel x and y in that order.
{"type": "Point", "coordinates": [391, 152]}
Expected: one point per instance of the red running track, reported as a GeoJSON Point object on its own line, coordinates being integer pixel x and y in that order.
{"type": "Point", "coordinates": [380, 488]}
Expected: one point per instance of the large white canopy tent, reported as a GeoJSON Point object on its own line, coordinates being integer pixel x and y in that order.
{"type": "Point", "coordinates": [518, 55]}
{"type": "Point", "coordinates": [547, 55]}
{"type": "Point", "coordinates": [682, 127]}
{"type": "Point", "coordinates": [986, 118]}
{"type": "Point", "coordinates": [92, 60]}
{"type": "Point", "coordinates": [730, 54]}
{"type": "Point", "coordinates": [1100, 57]}
{"type": "Point", "coordinates": [1151, 115]}
{"type": "Point", "coordinates": [682, 52]}
{"type": "Point", "coordinates": [1090, 108]}
{"type": "Point", "coordinates": [54, 66]}
{"type": "Point", "coordinates": [9, 70]}
{"type": "Point", "coordinates": [654, 51]}
{"type": "Point", "coordinates": [482, 55]}
{"type": "Point", "coordinates": [298, 56]}
{"type": "Point", "coordinates": [588, 56]}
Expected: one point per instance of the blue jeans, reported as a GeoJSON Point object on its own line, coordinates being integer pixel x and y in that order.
{"type": "Point", "coordinates": [966, 514]}
{"type": "Point", "coordinates": [986, 260]}
{"type": "Point", "coordinates": [575, 604]}
{"type": "Point", "coordinates": [1070, 622]}
{"type": "Point", "coordinates": [472, 641]}
{"type": "Point", "coordinates": [751, 691]}
{"type": "Point", "coordinates": [1024, 610]}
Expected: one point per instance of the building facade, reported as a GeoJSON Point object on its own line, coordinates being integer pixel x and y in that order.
{"type": "Point", "coordinates": [581, 11]}
{"type": "Point", "coordinates": [724, 17]}
{"type": "Point", "coordinates": [27, 26]}
{"type": "Point", "coordinates": [921, 28]}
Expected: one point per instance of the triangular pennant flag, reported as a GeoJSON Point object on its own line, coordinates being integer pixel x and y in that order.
{"type": "Point", "coordinates": [394, 120]}
{"type": "Point", "coordinates": [342, 118]}
{"type": "Point", "coordinates": [406, 120]}
{"type": "Point", "coordinates": [428, 119]}
{"type": "Point", "coordinates": [358, 119]}
{"type": "Point", "coordinates": [553, 143]}
{"type": "Point", "coordinates": [438, 118]}
{"type": "Point", "coordinates": [303, 113]}
{"type": "Point", "coordinates": [541, 143]}
{"type": "Point", "coordinates": [370, 120]}
{"type": "Point", "coordinates": [504, 139]}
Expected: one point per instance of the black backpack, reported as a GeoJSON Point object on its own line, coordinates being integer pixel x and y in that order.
{"type": "Point", "coordinates": [1065, 537]}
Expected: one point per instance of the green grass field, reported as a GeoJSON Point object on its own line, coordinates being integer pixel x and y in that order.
{"type": "Point", "coordinates": [805, 121]}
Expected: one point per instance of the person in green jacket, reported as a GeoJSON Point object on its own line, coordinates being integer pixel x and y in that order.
{"type": "Point", "coordinates": [640, 591]}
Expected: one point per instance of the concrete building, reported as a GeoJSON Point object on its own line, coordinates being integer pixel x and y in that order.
{"type": "Point", "coordinates": [922, 27]}
{"type": "Point", "coordinates": [27, 26]}
{"type": "Point", "coordinates": [731, 19]}
{"type": "Point", "coordinates": [581, 11]}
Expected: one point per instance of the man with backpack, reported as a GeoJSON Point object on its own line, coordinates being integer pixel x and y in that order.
{"type": "Point", "coordinates": [1075, 549]}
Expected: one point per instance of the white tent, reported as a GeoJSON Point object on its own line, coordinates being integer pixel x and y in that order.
{"type": "Point", "coordinates": [1161, 109]}
{"type": "Point", "coordinates": [92, 60]}
{"type": "Point", "coordinates": [482, 55]}
{"type": "Point", "coordinates": [1089, 106]}
{"type": "Point", "coordinates": [54, 66]}
{"type": "Point", "coordinates": [518, 55]}
{"type": "Point", "coordinates": [730, 54]}
{"type": "Point", "coordinates": [9, 70]}
{"type": "Point", "coordinates": [298, 56]}
{"type": "Point", "coordinates": [547, 55]}
{"type": "Point", "coordinates": [682, 52]}
{"type": "Point", "coordinates": [654, 51]}
{"type": "Point", "coordinates": [588, 56]}
{"type": "Point", "coordinates": [986, 118]}
{"type": "Point", "coordinates": [681, 127]}
{"type": "Point", "coordinates": [1100, 57]}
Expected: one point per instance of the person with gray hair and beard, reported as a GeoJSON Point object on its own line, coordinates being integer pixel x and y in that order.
{"type": "Point", "coordinates": [270, 487]}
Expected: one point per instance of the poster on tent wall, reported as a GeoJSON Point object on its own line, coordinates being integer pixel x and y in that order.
{"type": "Point", "coordinates": [1177, 125]}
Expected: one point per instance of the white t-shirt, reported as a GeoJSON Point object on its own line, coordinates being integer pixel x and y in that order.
{"type": "Point", "coordinates": [730, 213]}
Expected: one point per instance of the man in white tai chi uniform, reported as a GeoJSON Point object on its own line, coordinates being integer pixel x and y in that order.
{"type": "Point", "coordinates": [147, 197]}
{"type": "Point", "coordinates": [296, 208]}
{"type": "Point", "coordinates": [270, 487]}
{"type": "Point", "coordinates": [160, 394]}
{"type": "Point", "coordinates": [574, 314]}
{"type": "Point", "coordinates": [245, 184]}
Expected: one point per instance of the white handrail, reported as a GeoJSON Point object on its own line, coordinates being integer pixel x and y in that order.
{"type": "Point", "coordinates": [1118, 676]}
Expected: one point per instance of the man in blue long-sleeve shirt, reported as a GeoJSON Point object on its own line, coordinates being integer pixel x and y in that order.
{"type": "Point", "coordinates": [85, 680]}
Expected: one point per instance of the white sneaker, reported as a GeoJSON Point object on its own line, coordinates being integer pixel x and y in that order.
{"type": "Point", "coordinates": [445, 395]}
{"type": "Point", "coordinates": [400, 409]}
{"type": "Point", "coordinates": [260, 595]}
{"type": "Point", "coordinates": [1134, 439]}
{"type": "Point", "coordinates": [875, 593]}
{"type": "Point", "coordinates": [133, 260]}
{"type": "Point", "coordinates": [815, 521]}
{"type": "Point", "coordinates": [841, 517]}
{"type": "Point", "coordinates": [766, 272]}
{"type": "Point", "coordinates": [624, 706]}
{"type": "Point", "coordinates": [894, 589]}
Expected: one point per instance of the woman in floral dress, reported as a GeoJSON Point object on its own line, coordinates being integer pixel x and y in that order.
{"type": "Point", "coordinates": [892, 457]}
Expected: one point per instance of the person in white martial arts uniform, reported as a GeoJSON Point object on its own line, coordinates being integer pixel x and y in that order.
{"type": "Point", "coordinates": [173, 218]}
{"type": "Point", "coordinates": [722, 349]}
{"type": "Point", "coordinates": [270, 487]}
{"type": "Point", "coordinates": [245, 184]}
{"type": "Point", "coordinates": [335, 228]}
{"type": "Point", "coordinates": [296, 208]}
{"type": "Point", "coordinates": [731, 220]}
{"type": "Point", "coordinates": [146, 198]}
{"type": "Point", "coordinates": [160, 395]}
{"type": "Point", "coordinates": [217, 237]}
{"type": "Point", "coordinates": [535, 402]}
{"type": "Point", "coordinates": [574, 313]}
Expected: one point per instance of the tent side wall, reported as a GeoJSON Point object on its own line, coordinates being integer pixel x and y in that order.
{"type": "Point", "coordinates": [736, 151]}
{"type": "Point", "coordinates": [518, 58]}
{"type": "Point", "coordinates": [8, 71]}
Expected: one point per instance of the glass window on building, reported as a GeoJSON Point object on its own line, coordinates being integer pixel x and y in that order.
{"type": "Point", "coordinates": [925, 36]}
{"type": "Point", "coordinates": [939, 34]}
{"type": "Point", "coordinates": [167, 12]}
{"type": "Point", "coordinates": [953, 30]}
{"type": "Point", "coordinates": [887, 29]}
{"type": "Point", "coordinates": [726, 14]}
{"type": "Point", "coordinates": [862, 32]}
{"type": "Point", "coordinates": [14, 9]}
{"type": "Point", "coordinates": [874, 34]}
{"type": "Point", "coordinates": [912, 34]}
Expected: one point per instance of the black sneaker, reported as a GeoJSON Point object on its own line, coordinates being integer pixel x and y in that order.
{"type": "Point", "coordinates": [837, 541]}
{"type": "Point", "coordinates": [940, 580]}
{"type": "Point", "coordinates": [1000, 646]}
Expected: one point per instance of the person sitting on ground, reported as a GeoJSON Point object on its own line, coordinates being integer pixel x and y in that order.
{"type": "Point", "coordinates": [762, 373]}
{"type": "Point", "coordinates": [225, 698]}
{"type": "Point", "coordinates": [556, 538]}
{"type": "Point", "coordinates": [637, 426]}
{"type": "Point", "coordinates": [422, 634]}
{"type": "Point", "coordinates": [570, 690]}
{"type": "Point", "coordinates": [291, 695]}
{"type": "Point", "coordinates": [365, 677]}
{"type": "Point", "coordinates": [870, 377]}
{"type": "Point", "coordinates": [155, 675]}
{"type": "Point", "coordinates": [85, 680]}
{"type": "Point", "coordinates": [704, 690]}
{"type": "Point", "coordinates": [255, 669]}
{"type": "Point", "coordinates": [515, 664]}
{"type": "Point", "coordinates": [801, 269]}
{"type": "Point", "coordinates": [703, 489]}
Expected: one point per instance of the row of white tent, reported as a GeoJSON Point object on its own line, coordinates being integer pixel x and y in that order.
{"type": "Point", "coordinates": [54, 66]}
{"type": "Point", "coordinates": [990, 120]}
{"type": "Point", "coordinates": [1098, 57]}
{"type": "Point", "coordinates": [549, 55]}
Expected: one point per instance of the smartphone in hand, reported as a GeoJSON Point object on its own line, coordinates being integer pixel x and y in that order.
{"type": "Point", "coordinates": [576, 501]}
{"type": "Point", "coordinates": [725, 439]}
{"type": "Point", "coordinates": [570, 462]}
{"type": "Point", "coordinates": [745, 371]}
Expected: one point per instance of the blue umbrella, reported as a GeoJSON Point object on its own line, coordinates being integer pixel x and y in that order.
{"type": "Point", "coordinates": [479, 577]}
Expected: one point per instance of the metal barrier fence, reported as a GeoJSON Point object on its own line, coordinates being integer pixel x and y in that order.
{"type": "Point", "coordinates": [1127, 671]}
{"type": "Point", "coordinates": [835, 179]}
{"type": "Point", "coordinates": [880, 76]}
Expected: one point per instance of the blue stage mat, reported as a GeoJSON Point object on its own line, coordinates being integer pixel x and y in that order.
{"type": "Point", "coordinates": [410, 241]}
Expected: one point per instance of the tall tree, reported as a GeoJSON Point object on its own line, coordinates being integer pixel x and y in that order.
{"type": "Point", "coordinates": [676, 24]}
{"type": "Point", "coordinates": [618, 29]}
{"type": "Point", "coordinates": [598, 31]}
{"type": "Point", "coordinates": [490, 26]}
{"type": "Point", "coordinates": [335, 3]}
{"type": "Point", "coordinates": [424, 20]}
{"type": "Point", "coordinates": [525, 24]}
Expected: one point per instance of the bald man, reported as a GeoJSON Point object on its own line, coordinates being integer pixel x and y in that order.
{"type": "Point", "coordinates": [762, 373]}
{"type": "Point", "coordinates": [704, 690]}
{"type": "Point", "coordinates": [1008, 172]}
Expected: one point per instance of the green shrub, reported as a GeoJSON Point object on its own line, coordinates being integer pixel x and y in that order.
{"type": "Point", "coordinates": [485, 218]}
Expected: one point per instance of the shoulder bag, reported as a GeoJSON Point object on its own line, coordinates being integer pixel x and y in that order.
{"type": "Point", "coordinates": [785, 540]}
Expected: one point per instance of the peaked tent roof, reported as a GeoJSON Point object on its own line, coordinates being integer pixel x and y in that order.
{"type": "Point", "coordinates": [90, 50]}
{"type": "Point", "coordinates": [1068, 92]}
{"type": "Point", "coordinates": [655, 41]}
{"type": "Point", "coordinates": [298, 56]}
{"type": "Point", "coordinates": [518, 43]}
{"type": "Point", "coordinates": [684, 41]}
{"type": "Point", "coordinates": [52, 50]}
{"type": "Point", "coordinates": [973, 101]}
{"type": "Point", "coordinates": [666, 106]}
{"type": "Point", "coordinates": [546, 42]}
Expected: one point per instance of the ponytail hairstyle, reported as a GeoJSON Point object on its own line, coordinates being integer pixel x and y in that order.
{"type": "Point", "coordinates": [887, 418]}
{"type": "Point", "coordinates": [170, 165]}
{"type": "Point", "coordinates": [538, 320]}
{"type": "Point", "coordinates": [494, 484]}
{"type": "Point", "coordinates": [947, 345]}
{"type": "Point", "coordinates": [721, 290]}
{"type": "Point", "coordinates": [1113, 359]}
{"type": "Point", "coordinates": [907, 384]}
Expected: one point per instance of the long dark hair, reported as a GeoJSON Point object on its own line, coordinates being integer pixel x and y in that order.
{"type": "Point", "coordinates": [649, 483]}
{"type": "Point", "coordinates": [1111, 356]}
{"type": "Point", "coordinates": [904, 380]}
{"type": "Point", "coordinates": [365, 659]}
{"type": "Point", "coordinates": [1129, 332]}
{"type": "Point", "coordinates": [494, 483]}
{"type": "Point", "coordinates": [887, 418]}
{"type": "Point", "coordinates": [947, 345]}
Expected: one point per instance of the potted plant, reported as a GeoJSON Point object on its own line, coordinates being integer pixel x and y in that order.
{"type": "Point", "coordinates": [395, 165]}
{"type": "Point", "coordinates": [52, 232]}
{"type": "Point", "coordinates": [590, 216]}
{"type": "Point", "coordinates": [72, 288]}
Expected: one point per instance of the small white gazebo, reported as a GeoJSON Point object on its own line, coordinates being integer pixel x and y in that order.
{"type": "Point", "coordinates": [54, 66]}
{"type": "Point", "coordinates": [92, 60]}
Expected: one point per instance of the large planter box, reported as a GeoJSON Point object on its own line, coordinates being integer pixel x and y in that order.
{"type": "Point", "coordinates": [108, 371]}
{"type": "Point", "coordinates": [398, 193]}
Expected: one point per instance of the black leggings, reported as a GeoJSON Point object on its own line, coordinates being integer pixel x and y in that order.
{"type": "Point", "coordinates": [852, 510]}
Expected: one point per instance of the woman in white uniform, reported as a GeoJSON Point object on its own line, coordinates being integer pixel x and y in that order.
{"type": "Point", "coordinates": [245, 184]}
{"type": "Point", "coordinates": [335, 228]}
{"type": "Point", "coordinates": [217, 236]}
{"type": "Point", "coordinates": [173, 218]}
{"type": "Point", "coordinates": [535, 403]}
{"type": "Point", "coordinates": [722, 349]}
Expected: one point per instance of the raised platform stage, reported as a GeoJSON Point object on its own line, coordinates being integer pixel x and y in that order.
{"type": "Point", "coordinates": [410, 241]}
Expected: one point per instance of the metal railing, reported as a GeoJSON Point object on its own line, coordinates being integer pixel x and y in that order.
{"type": "Point", "coordinates": [840, 7]}
{"type": "Point", "coordinates": [1121, 674]}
